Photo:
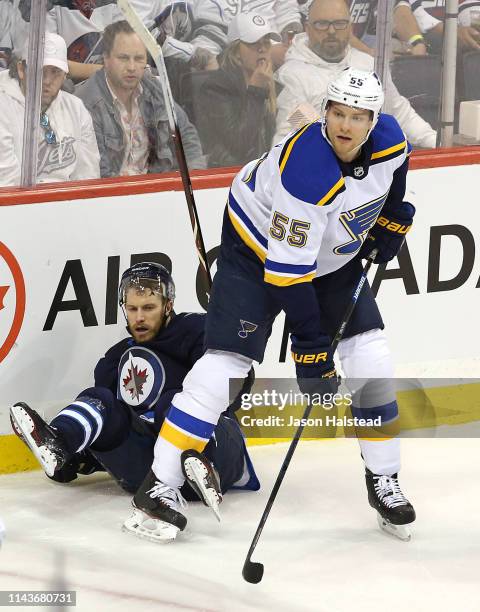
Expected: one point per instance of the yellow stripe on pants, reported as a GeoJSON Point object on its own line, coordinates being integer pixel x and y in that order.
{"type": "Point", "coordinates": [180, 439]}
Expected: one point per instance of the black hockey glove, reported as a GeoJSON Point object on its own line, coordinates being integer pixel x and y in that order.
{"type": "Point", "coordinates": [388, 234]}
{"type": "Point", "coordinates": [315, 366]}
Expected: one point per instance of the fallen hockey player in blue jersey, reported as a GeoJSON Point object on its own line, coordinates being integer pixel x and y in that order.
{"type": "Point", "coordinates": [297, 224]}
{"type": "Point", "coordinates": [113, 425]}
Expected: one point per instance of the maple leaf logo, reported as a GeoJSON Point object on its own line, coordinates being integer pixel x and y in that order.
{"type": "Point", "coordinates": [3, 293]}
{"type": "Point", "coordinates": [134, 381]}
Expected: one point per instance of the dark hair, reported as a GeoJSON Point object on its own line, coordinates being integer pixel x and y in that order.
{"type": "Point", "coordinates": [110, 33]}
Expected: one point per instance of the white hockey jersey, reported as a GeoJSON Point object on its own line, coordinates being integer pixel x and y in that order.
{"type": "Point", "coordinates": [83, 35]}
{"type": "Point", "coordinates": [74, 157]}
{"type": "Point", "coordinates": [211, 19]}
{"type": "Point", "coordinates": [300, 215]}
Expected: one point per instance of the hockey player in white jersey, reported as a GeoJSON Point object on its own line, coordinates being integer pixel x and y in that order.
{"type": "Point", "coordinates": [297, 223]}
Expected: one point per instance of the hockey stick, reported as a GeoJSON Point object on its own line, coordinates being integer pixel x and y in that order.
{"type": "Point", "coordinates": [252, 570]}
{"type": "Point", "coordinates": [156, 52]}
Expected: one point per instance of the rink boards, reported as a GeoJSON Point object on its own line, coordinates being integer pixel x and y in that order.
{"type": "Point", "coordinates": [60, 263]}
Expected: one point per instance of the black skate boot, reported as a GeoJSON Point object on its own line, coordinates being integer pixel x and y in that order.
{"type": "Point", "coordinates": [203, 478]}
{"type": "Point", "coordinates": [156, 515]}
{"type": "Point", "coordinates": [394, 509]}
{"type": "Point", "coordinates": [45, 442]}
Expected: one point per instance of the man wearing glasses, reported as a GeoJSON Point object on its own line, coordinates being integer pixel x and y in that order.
{"type": "Point", "coordinates": [318, 56]}
{"type": "Point", "coordinates": [67, 149]}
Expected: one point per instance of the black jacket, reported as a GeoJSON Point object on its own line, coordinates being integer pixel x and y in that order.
{"type": "Point", "coordinates": [235, 125]}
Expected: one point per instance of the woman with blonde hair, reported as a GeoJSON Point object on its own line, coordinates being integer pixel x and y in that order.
{"type": "Point", "coordinates": [238, 101]}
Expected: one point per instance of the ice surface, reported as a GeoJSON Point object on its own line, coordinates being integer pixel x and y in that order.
{"type": "Point", "coordinates": [321, 546]}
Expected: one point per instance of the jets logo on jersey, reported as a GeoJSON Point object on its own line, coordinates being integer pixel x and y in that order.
{"type": "Point", "coordinates": [357, 222]}
{"type": "Point", "coordinates": [141, 377]}
{"type": "Point", "coordinates": [247, 328]}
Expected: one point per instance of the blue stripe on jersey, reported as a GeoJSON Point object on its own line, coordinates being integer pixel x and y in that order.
{"type": "Point", "coordinates": [309, 168]}
{"type": "Point", "coordinates": [386, 134]}
{"type": "Point", "coordinates": [234, 205]}
{"type": "Point", "coordinates": [189, 423]}
{"type": "Point", "coordinates": [276, 266]}
{"type": "Point", "coordinates": [251, 179]}
{"type": "Point", "coordinates": [388, 412]}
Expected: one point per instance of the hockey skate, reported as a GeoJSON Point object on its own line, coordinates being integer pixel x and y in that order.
{"type": "Point", "coordinates": [203, 478]}
{"type": "Point", "coordinates": [394, 510]}
{"type": "Point", "coordinates": [156, 515]}
{"type": "Point", "coordinates": [44, 441]}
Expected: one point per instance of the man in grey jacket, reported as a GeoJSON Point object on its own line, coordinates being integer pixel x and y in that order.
{"type": "Point", "coordinates": [129, 113]}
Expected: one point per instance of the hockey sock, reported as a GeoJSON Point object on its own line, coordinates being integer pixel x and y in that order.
{"type": "Point", "coordinates": [80, 423]}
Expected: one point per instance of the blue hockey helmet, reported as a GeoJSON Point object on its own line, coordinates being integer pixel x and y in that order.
{"type": "Point", "coordinates": [147, 274]}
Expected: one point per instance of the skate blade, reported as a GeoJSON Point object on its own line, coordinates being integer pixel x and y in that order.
{"type": "Point", "coordinates": [148, 528]}
{"type": "Point", "coordinates": [24, 428]}
{"type": "Point", "coordinates": [402, 532]}
{"type": "Point", "coordinates": [197, 472]}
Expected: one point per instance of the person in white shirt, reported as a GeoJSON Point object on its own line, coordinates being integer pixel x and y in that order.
{"type": "Point", "coordinates": [201, 33]}
{"type": "Point", "coordinates": [321, 53]}
{"type": "Point", "coordinates": [430, 15]}
{"type": "Point", "coordinates": [6, 15]}
{"type": "Point", "coordinates": [67, 145]}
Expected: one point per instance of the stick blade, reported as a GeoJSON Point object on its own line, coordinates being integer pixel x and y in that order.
{"type": "Point", "coordinates": [252, 572]}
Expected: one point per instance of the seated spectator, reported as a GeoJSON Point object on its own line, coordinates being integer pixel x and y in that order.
{"type": "Point", "coordinates": [199, 36]}
{"type": "Point", "coordinates": [317, 56]}
{"type": "Point", "coordinates": [430, 15]}
{"type": "Point", "coordinates": [67, 147]}
{"type": "Point", "coordinates": [6, 45]}
{"type": "Point", "coordinates": [405, 27]}
{"type": "Point", "coordinates": [364, 20]}
{"type": "Point", "coordinates": [238, 102]}
{"type": "Point", "coordinates": [81, 23]}
{"type": "Point", "coordinates": [129, 113]}
{"type": "Point", "coordinates": [174, 29]}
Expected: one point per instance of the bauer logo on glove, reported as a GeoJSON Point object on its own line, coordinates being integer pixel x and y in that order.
{"type": "Point", "coordinates": [393, 226]}
{"type": "Point", "coordinates": [388, 234]}
{"type": "Point", "coordinates": [309, 358]}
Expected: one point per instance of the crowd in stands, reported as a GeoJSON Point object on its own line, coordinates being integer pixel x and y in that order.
{"type": "Point", "coordinates": [244, 73]}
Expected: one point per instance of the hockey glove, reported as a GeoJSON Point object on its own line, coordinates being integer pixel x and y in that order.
{"type": "Point", "coordinates": [314, 365]}
{"type": "Point", "coordinates": [388, 234]}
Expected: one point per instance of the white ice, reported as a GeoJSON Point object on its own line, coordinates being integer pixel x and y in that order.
{"type": "Point", "coordinates": [321, 546]}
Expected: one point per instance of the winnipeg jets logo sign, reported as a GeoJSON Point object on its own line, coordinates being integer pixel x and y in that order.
{"type": "Point", "coordinates": [141, 377]}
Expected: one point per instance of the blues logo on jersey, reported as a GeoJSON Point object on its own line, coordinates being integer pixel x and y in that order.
{"type": "Point", "coordinates": [141, 377]}
{"type": "Point", "coordinates": [357, 222]}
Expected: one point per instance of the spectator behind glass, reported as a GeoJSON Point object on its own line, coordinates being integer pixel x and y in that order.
{"type": "Point", "coordinates": [67, 147]}
{"type": "Point", "coordinates": [430, 15]}
{"type": "Point", "coordinates": [195, 31]}
{"type": "Point", "coordinates": [6, 45]}
{"type": "Point", "coordinates": [405, 27]}
{"type": "Point", "coordinates": [316, 57]}
{"type": "Point", "coordinates": [238, 102]}
{"type": "Point", "coordinates": [128, 111]}
{"type": "Point", "coordinates": [81, 24]}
